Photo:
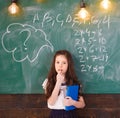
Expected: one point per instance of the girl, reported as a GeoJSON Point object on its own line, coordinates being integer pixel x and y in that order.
{"type": "Point", "coordinates": [61, 75]}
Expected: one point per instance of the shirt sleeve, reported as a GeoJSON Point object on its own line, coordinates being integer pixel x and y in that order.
{"type": "Point", "coordinates": [45, 83]}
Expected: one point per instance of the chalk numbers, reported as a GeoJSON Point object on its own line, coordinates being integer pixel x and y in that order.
{"type": "Point", "coordinates": [91, 49]}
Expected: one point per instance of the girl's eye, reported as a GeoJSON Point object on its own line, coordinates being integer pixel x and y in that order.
{"type": "Point", "coordinates": [57, 62]}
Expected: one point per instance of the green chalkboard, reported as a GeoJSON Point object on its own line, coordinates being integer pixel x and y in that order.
{"type": "Point", "coordinates": [29, 41]}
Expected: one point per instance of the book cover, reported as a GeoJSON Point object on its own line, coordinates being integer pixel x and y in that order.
{"type": "Point", "coordinates": [72, 91]}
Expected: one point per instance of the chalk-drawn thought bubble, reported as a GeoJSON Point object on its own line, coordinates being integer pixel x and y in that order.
{"type": "Point", "coordinates": [25, 42]}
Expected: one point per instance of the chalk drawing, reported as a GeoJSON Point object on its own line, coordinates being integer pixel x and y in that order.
{"type": "Point", "coordinates": [25, 39]}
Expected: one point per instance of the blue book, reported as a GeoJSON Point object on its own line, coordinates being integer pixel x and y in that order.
{"type": "Point", "coordinates": [72, 91]}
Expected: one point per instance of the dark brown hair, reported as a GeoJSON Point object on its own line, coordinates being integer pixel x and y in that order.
{"type": "Point", "coordinates": [70, 76]}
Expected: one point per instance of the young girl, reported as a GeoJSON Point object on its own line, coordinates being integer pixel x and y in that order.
{"type": "Point", "coordinates": [61, 75]}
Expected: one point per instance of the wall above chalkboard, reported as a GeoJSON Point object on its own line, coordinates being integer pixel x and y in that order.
{"type": "Point", "coordinates": [28, 43]}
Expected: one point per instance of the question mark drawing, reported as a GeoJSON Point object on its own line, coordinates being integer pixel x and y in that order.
{"type": "Point", "coordinates": [25, 42]}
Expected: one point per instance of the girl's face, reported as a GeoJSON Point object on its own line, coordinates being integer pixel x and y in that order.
{"type": "Point", "coordinates": [61, 64]}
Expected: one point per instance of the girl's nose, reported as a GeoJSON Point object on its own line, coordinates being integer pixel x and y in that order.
{"type": "Point", "coordinates": [60, 64]}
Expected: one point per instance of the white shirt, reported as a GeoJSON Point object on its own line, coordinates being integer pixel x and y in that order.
{"type": "Point", "coordinates": [59, 102]}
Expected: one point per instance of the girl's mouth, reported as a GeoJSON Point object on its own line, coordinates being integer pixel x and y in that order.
{"type": "Point", "coordinates": [60, 70]}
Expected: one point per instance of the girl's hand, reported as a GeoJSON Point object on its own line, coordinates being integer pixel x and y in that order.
{"type": "Point", "coordinates": [60, 78]}
{"type": "Point", "coordinates": [68, 101]}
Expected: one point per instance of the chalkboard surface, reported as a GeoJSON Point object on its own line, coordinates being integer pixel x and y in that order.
{"type": "Point", "coordinates": [29, 41]}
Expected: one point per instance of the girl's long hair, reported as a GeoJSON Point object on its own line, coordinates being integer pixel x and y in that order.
{"type": "Point", "coordinates": [70, 76]}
